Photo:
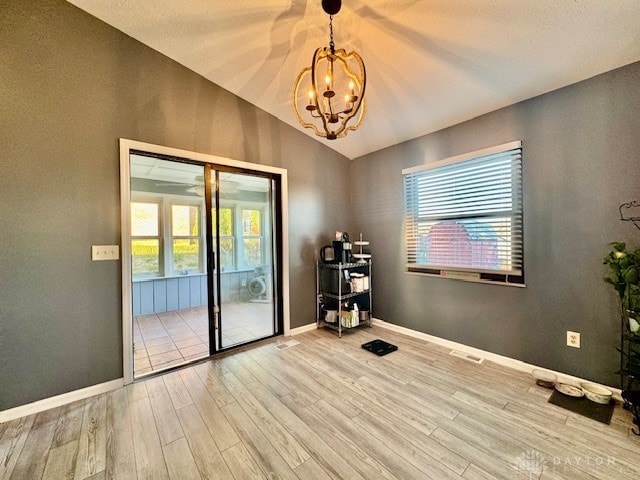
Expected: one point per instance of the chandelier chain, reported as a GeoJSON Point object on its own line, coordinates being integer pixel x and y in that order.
{"type": "Point", "coordinates": [332, 45]}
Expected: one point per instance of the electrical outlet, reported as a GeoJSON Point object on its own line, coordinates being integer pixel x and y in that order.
{"type": "Point", "coordinates": [105, 252]}
{"type": "Point", "coordinates": [573, 339]}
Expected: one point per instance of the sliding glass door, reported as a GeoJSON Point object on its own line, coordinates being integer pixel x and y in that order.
{"type": "Point", "coordinates": [203, 259]}
{"type": "Point", "coordinates": [243, 218]}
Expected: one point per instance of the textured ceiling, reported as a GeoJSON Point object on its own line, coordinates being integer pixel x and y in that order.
{"type": "Point", "coordinates": [430, 63]}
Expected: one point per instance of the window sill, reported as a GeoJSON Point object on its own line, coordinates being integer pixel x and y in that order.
{"type": "Point", "coordinates": [465, 279]}
{"type": "Point", "coordinates": [167, 277]}
{"type": "Point", "coordinates": [242, 270]}
{"type": "Point", "coordinates": [188, 275]}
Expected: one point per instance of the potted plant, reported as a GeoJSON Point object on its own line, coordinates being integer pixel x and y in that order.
{"type": "Point", "coordinates": [625, 268]}
{"type": "Point", "coordinates": [625, 278]}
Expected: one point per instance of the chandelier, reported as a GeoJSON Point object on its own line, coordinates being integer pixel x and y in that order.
{"type": "Point", "coordinates": [328, 96]}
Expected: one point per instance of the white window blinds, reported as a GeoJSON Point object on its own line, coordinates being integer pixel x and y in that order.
{"type": "Point", "coordinates": [465, 214]}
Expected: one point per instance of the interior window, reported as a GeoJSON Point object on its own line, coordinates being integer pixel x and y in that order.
{"type": "Point", "coordinates": [252, 236]}
{"type": "Point", "coordinates": [227, 238]}
{"type": "Point", "coordinates": [186, 242]}
{"type": "Point", "coordinates": [146, 240]}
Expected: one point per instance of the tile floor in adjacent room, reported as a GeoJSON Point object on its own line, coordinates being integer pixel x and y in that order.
{"type": "Point", "coordinates": [164, 340]}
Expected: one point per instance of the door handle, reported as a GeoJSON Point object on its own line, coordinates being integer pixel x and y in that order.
{"type": "Point", "coordinates": [211, 261]}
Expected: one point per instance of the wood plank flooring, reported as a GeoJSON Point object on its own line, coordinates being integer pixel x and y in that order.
{"type": "Point", "coordinates": [323, 409]}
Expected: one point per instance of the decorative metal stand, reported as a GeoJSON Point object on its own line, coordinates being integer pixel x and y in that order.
{"type": "Point", "coordinates": [632, 400]}
{"type": "Point", "coordinates": [630, 373]}
{"type": "Point", "coordinates": [630, 344]}
{"type": "Point", "coordinates": [630, 218]}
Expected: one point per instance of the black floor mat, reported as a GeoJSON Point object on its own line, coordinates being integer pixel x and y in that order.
{"type": "Point", "coordinates": [379, 347]}
{"type": "Point", "coordinates": [584, 406]}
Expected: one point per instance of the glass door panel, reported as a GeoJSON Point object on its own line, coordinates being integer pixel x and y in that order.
{"type": "Point", "coordinates": [169, 267]}
{"type": "Point", "coordinates": [200, 283]}
{"type": "Point", "coordinates": [243, 238]}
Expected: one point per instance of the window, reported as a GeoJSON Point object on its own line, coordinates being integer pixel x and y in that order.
{"type": "Point", "coordinates": [252, 237]}
{"type": "Point", "coordinates": [166, 238]}
{"type": "Point", "coordinates": [241, 236]}
{"type": "Point", "coordinates": [227, 238]}
{"type": "Point", "coordinates": [185, 241]}
{"type": "Point", "coordinates": [146, 240]}
{"type": "Point", "coordinates": [464, 216]}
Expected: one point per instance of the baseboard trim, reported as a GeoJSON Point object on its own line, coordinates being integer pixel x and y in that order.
{"type": "Point", "coordinates": [302, 329]}
{"type": "Point", "coordinates": [493, 357]}
{"type": "Point", "coordinates": [59, 400]}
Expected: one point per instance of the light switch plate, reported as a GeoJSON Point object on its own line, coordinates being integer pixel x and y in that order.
{"type": "Point", "coordinates": [105, 252]}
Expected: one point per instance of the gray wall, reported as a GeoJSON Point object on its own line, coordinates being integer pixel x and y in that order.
{"type": "Point", "coordinates": [70, 87]}
{"type": "Point", "coordinates": [581, 153]}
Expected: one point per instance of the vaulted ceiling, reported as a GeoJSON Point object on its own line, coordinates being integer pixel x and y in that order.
{"type": "Point", "coordinates": [430, 63]}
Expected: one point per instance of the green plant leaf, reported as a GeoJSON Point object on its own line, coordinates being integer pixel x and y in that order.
{"type": "Point", "coordinates": [619, 246]}
{"type": "Point", "coordinates": [630, 275]}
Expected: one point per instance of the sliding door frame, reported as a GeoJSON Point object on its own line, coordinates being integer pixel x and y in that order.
{"type": "Point", "coordinates": [216, 310]}
{"type": "Point", "coordinates": [126, 147]}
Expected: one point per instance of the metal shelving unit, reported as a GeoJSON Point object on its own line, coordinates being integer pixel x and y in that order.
{"type": "Point", "coordinates": [333, 274]}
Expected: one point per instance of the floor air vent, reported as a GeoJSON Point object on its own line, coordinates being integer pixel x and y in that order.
{"type": "Point", "coordinates": [467, 356]}
{"type": "Point", "coordinates": [287, 344]}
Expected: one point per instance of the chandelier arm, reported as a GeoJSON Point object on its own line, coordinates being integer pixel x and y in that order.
{"type": "Point", "coordinates": [305, 124]}
{"type": "Point", "coordinates": [353, 128]}
{"type": "Point", "coordinates": [316, 56]}
{"type": "Point", "coordinates": [360, 81]}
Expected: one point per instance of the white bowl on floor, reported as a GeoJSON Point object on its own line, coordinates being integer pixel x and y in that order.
{"type": "Point", "coordinates": [544, 378]}
{"type": "Point", "coordinates": [596, 393]}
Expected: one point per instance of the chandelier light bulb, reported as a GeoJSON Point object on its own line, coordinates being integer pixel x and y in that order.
{"type": "Point", "coordinates": [312, 104]}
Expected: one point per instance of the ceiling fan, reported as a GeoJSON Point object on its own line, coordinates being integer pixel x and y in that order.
{"type": "Point", "coordinates": [226, 186]}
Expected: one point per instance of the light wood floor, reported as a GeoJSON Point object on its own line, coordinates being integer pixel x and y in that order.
{"type": "Point", "coordinates": [323, 409]}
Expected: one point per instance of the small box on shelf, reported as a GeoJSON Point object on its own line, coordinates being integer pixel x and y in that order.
{"type": "Point", "coordinates": [349, 319]}
{"type": "Point", "coordinates": [359, 282]}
